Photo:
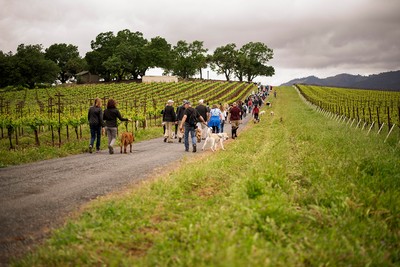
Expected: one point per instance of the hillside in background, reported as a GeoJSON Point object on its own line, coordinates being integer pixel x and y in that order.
{"type": "Point", "coordinates": [383, 81]}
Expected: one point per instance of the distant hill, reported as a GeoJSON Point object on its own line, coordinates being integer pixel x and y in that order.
{"type": "Point", "coordinates": [383, 81]}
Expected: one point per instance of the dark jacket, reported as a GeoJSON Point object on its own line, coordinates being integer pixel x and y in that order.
{"type": "Point", "coordinates": [192, 116]}
{"type": "Point", "coordinates": [95, 116]}
{"type": "Point", "coordinates": [111, 115]}
{"type": "Point", "coordinates": [169, 114]}
{"type": "Point", "coordinates": [179, 113]}
{"type": "Point", "coordinates": [203, 111]}
{"type": "Point", "coordinates": [234, 113]}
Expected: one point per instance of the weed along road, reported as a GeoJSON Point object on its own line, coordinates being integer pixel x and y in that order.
{"type": "Point", "coordinates": [37, 197]}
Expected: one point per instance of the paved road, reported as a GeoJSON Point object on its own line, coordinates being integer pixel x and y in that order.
{"type": "Point", "coordinates": [37, 197]}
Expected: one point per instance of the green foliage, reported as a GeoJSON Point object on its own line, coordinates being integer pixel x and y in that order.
{"type": "Point", "coordinates": [127, 55]}
{"type": "Point", "coordinates": [367, 106]}
{"type": "Point", "coordinates": [67, 59]}
{"type": "Point", "coordinates": [223, 60]}
{"type": "Point", "coordinates": [254, 188]}
{"type": "Point", "coordinates": [188, 59]}
{"type": "Point", "coordinates": [247, 62]}
{"type": "Point", "coordinates": [253, 58]}
{"type": "Point", "coordinates": [33, 67]}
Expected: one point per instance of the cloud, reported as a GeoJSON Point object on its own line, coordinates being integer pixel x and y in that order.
{"type": "Point", "coordinates": [307, 36]}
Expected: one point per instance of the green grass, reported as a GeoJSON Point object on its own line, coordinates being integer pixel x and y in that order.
{"type": "Point", "coordinates": [294, 190]}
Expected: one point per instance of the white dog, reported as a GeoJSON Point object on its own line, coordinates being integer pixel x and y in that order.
{"type": "Point", "coordinates": [272, 113]}
{"type": "Point", "coordinates": [262, 112]}
{"type": "Point", "coordinates": [213, 139]}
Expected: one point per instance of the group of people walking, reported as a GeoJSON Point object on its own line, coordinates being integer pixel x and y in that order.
{"type": "Point", "coordinates": [187, 119]}
{"type": "Point", "coordinates": [101, 122]}
{"type": "Point", "coordinates": [182, 122]}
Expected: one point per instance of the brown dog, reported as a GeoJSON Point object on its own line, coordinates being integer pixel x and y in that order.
{"type": "Point", "coordinates": [198, 134]}
{"type": "Point", "coordinates": [127, 138]}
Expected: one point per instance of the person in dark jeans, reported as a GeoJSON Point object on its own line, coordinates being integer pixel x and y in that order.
{"type": "Point", "coordinates": [110, 116]}
{"type": "Point", "coordinates": [179, 115]}
{"type": "Point", "coordinates": [189, 120]}
{"type": "Point", "coordinates": [95, 118]}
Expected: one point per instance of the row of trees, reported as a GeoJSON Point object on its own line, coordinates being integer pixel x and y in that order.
{"type": "Point", "coordinates": [128, 55]}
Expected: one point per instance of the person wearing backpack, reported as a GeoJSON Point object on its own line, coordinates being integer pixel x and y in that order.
{"type": "Point", "coordinates": [179, 115]}
{"type": "Point", "coordinates": [189, 120]}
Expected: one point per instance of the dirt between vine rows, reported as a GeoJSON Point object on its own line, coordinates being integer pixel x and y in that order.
{"type": "Point", "coordinates": [38, 197]}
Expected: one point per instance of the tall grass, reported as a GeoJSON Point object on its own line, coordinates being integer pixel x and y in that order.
{"type": "Point", "coordinates": [293, 190]}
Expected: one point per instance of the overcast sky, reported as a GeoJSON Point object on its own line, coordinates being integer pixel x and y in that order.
{"type": "Point", "coordinates": [308, 37]}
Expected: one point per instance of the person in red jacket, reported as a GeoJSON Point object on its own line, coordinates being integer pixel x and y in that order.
{"type": "Point", "coordinates": [234, 119]}
{"type": "Point", "coordinates": [255, 113]}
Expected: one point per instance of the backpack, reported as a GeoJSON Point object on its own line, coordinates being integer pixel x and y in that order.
{"type": "Point", "coordinates": [192, 118]}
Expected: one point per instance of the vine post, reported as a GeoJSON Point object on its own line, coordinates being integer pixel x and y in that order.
{"type": "Point", "coordinates": [59, 110]}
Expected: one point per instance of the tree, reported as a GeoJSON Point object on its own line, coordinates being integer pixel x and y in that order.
{"type": "Point", "coordinates": [76, 65]}
{"type": "Point", "coordinates": [132, 51]}
{"type": "Point", "coordinates": [33, 67]}
{"type": "Point", "coordinates": [103, 48]}
{"type": "Point", "coordinates": [115, 66]}
{"type": "Point", "coordinates": [240, 65]}
{"type": "Point", "coordinates": [251, 61]}
{"type": "Point", "coordinates": [223, 60]}
{"type": "Point", "coordinates": [198, 55]}
{"type": "Point", "coordinates": [188, 59]}
{"type": "Point", "coordinates": [159, 53]}
{"type": "Point", "coordinates": [7, 71]}
{"type": "Point", "coordinates": [67, 59]}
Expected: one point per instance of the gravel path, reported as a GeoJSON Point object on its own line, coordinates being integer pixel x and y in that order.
{"type": "Point", "coordinates": [37, 197]}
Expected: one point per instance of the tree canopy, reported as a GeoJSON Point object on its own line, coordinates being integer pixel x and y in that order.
{"type": "Point", "coordinates": [30, 66]}
{"type": "Point", "coordinates": [128, 55]}
{"type": "Point", "coordinates": [67, 59]}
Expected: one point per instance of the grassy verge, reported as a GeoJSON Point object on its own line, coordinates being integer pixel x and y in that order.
{"type": "Point", "coordinates": [293, 190]}
{"type": "Point", "coordinates": [30, 152]}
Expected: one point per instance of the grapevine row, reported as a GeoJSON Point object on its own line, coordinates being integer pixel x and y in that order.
{"type": "Point", "coordinates": [365, 105]}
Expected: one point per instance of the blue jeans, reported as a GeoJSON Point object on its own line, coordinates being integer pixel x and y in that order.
{"type": "Point", "coordinates": [95, 133]}
{"type": "Point", "coordinates": [191, 130]}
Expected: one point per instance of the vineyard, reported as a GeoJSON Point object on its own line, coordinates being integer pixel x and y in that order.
{"type": "Point", "coordinates": [366, 109]}
{"type": "Point", "coordinates": [58, 111]}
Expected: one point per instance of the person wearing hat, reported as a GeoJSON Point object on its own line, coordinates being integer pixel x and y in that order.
{"type": "Point", "coordinates": [189, 120]}
{"type": "Point", "coordinates": [169, 117]}
{"type": "Point", "coordinates": [204, 111]}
